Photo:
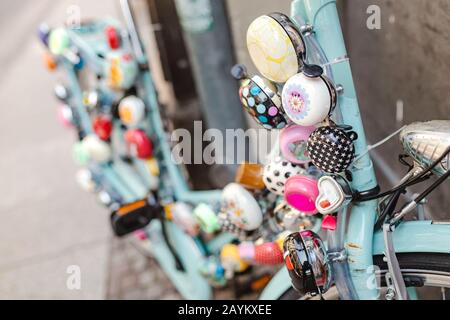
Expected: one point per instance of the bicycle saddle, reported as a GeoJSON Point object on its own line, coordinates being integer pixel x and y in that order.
{"type": "Point", "coordinates": [425, 142]}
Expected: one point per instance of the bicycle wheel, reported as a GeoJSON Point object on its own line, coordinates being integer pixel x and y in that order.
{"type": "Point", "coordinates": [427, 277]}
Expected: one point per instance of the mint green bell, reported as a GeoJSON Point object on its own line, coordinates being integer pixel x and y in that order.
{"type": "Point", "coordinates": [207, 218]}
{"type": "Point", "coordinates": [80, 154]}
{"type": "Point", "coordinates": [58, 41]}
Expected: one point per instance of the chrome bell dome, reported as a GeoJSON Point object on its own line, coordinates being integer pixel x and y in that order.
{"type": "Point", "coordinates": [426, 142]}
{"type": "Point", "coordinates": [306, 260]}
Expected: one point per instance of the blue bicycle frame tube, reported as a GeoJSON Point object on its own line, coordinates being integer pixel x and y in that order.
{"type": "Point", "coordinates": [323, 16]}
{"type": "Point", "coordinates": [361, 243]}
{"type": "Point", "coordinates": [181, 189]}
{"type": "Point", "coordinates": [190, 283]}
{"type": "Point", "coordinates": [76, 97]}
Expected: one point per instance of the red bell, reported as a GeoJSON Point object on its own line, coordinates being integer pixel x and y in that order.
{"type": "Point", "coordinates": [140, 143]}
{"type": "Point", "coordinates": [102, 126]}
{"type": "Point", "coordinates": [329, 223]}
{"type": "Point", "coordinates": [268, 254]}
{"type": "Point", "coordinates": [113, 37]}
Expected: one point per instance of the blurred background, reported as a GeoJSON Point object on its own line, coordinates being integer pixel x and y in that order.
{"type": "Point", "coordinates": [49, 224]}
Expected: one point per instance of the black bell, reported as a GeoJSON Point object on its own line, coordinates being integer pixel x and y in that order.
{"type": "Point", "coordinates": [331, 149]}
{"type": "Point", "coordinates": [306, 261]}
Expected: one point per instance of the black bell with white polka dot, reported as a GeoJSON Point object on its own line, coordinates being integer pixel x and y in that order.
{"type": "Point", "coordinates": [331, 149]}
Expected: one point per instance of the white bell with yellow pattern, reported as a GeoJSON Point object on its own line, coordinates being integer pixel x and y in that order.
{"type": "Point", "coordinates": [131, 110]}
{"type": "Point", "coordinates": [242, 207]}
{"type": "Point", "coordinates": [276, 47]}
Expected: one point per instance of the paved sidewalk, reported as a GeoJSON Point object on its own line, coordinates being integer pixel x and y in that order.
{"type": "Point", "coordinates": [48, 224]}
{"type": "Point", "coordinates": [133, 275]}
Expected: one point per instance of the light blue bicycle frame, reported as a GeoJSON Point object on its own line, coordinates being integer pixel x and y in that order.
{"type": "Point", "coordinates": [361, 243]}
{"type": "Point", "coordinates": [133, 185]}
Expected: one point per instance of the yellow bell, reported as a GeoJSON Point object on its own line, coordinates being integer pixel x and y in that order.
{"type": "Point", "coordinates": [230, 259]}
{"type": "Point", "coordinates": [168, 211]}
{"type": "Point", "coordinates": [280, 239]}
{"type": "Point", "coordinates": [153, 167]}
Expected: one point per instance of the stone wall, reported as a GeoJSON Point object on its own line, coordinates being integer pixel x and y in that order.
{"type": "Point", "coordinates": [406, 63]}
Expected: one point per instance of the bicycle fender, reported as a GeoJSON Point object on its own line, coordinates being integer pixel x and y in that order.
{"type": "Point", "coordinates": [417, 236]}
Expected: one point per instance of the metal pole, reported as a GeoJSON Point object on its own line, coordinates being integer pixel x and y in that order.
{"type": "Point", "coordinates": [208, 39]}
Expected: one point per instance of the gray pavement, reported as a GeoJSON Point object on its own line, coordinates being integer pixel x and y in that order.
{"type": "Point", "coordinates": [48, 224]}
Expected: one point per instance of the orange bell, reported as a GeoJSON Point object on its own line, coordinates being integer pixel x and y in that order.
{"type": "Point", "coordinates": [250, 176]}
{"type": "Point", "coordinates": [49, 61]}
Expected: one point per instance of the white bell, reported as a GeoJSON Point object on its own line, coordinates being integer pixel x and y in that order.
{"type": "Point", "coordinates": [277, 171]}
{"type": "Point", "coordinates": [84, 179]}
{"type": "Point", "coordinates": [331, 195]}
{"type": "Point", "coordinates": [120, 70]}
{"type": "Point", "coordinates": [308, 101]}
{"type": "Point", "coordinates": [183, 216]}
{"type": "Point", "coordinates": [242, 207]}
{"type": "Point", "coordinates": [98, 150]}
{"type": "Point", "coordinates": [131, 110]}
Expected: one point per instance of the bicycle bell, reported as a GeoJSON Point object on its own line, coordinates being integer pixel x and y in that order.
{"type": "Point", "coordinates": [291, 219]}
{"type": "Point", "coordinates": [242, 207]}
{"type": "Point", "coordinates": [268, 253]}
{"type": "Point", "coordinates": [49, 61]}
{"type": "Point", "coordinates": [97, 149]}
{"type": "Point", "coordinates": [113, 37]}
{"type": "Point", "coordinates": [206, 218]}
{"type": "Point", "coordinates": [61, 92]}
{"type": "Point", "coordinates": [277, 48]}
{"type": "Point", "coordinates": [102, 126]}
{"type": "Point", "coordinates": [331, 149]}
{"type": "Point", "coordinates": [301, 193]}
{"type": "Point", "coordinates": [139, 143]}
{"type": "Point", "coordinates": [334, 193]}
{"type": "Point", "coordinates": [226, 225]}
{"type": "Point", "coordinates": [181, 214]}
{"type": "Point", "coordinates": [58, 41]}
{"type": "Point", "coordinates": [293, 143]}
{"type": "Point", "coordinates": [131, 110]}
{"type": "Point", "coordinates": [86, 181]}
{"type": "Point", "coordinates": [231, 261]}
{"type": "Point", "coordinates": [91, 99]}
{"type": "Point", "coordinates": [306, 261]}
{"type": "Point", "coordinates": [308, 101]}
{"type": "Point", "coordinates": [425, 142]}
{"type": "Point", "coordinates": [277, 172]}
{"type": "Point", "coordinates": [260, 99]}
{"type": "Point", "coordinates": [65, 116]}
{"type": "Point", "coordinates": [120, 70]}
{"type": "Point", "coordinates": [250, 176]}
{"type": "Point", "coordinates": [44, 33]}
